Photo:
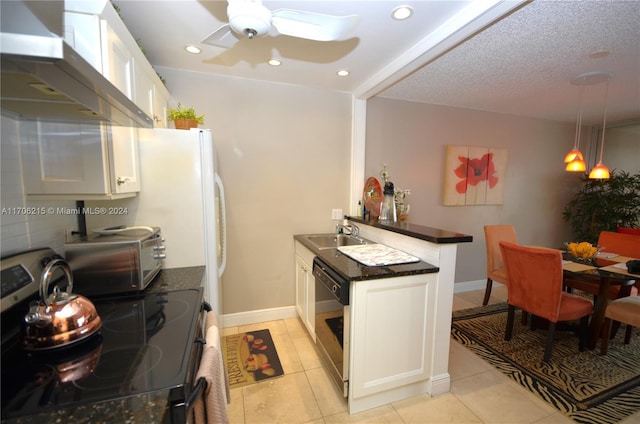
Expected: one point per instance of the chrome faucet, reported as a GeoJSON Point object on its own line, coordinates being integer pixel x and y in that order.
{"type": "Point", "coordinates": [350, 229]}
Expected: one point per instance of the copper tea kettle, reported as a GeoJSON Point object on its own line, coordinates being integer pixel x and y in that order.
{"type": "Point", "coordinates": [61, 318]}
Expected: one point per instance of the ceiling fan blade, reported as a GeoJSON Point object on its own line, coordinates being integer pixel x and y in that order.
{"type": "Point", "coordinates": [222, 37]}
{"type": "Point", "coordinates": [313, 26]}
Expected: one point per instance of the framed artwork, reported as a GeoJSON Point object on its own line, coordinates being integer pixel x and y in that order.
{"type": "Point", "coordinates": [474, 175]}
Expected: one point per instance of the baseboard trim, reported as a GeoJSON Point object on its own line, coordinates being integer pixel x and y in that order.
{"type": "Point", "coordinates": [260, 315]}
{"type": "Point", "coordinates": [272, 314]}
{"type": "Point", "coordinates": [466, 286]}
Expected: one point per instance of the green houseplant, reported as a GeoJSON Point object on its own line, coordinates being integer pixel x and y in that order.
{"type": "Point", "coordinates": [604, 205]}
{"type": "Point", "coordinates": [185, 118]}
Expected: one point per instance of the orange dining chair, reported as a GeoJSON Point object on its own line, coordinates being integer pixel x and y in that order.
{"type": "Point", "coordinates": [493, 234]}
{"type": "Point", "coordinates": [625, 310]}
{"type": "Point", "coordinates": [620, 243]}
{"type": "Point", "coordinates": [534, 284]}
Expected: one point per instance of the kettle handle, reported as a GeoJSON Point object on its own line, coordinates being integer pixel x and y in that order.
{"type": "Point", "coordinates": [47, 274]}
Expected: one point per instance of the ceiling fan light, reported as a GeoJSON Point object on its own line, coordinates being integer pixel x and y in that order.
{"type": "Point", "coordinates": [599, 172]}
{"type": "Point", "coordinates": [576, 165]}
{"type": "Point", "coordinates": [572, 155]}
{"type": "Point", "coordinates": [248, 18]}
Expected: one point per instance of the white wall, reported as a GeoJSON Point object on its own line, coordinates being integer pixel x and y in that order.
{"type": "Point", "coordinates": [411, 138]}
{"type": "Point", "coordinates": [283, 153]}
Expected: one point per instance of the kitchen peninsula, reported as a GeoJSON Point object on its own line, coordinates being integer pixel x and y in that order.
{"type": "Point", "coordinates": [398, 317]}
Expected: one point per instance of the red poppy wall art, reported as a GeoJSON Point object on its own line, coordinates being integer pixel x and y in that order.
{"type": "Point", "coordinates": [474, 175]}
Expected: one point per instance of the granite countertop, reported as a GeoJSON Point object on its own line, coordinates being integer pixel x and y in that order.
{"type": "Point", "coordinates": [355, 271]}
{"type": "Point", "coordinates": [433, 235]}
{"type": "Point", "coordinates": [143, 408]}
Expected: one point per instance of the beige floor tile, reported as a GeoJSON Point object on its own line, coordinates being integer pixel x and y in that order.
{"type": "Point", "coordinates": [307, 352]}
{"type": "Point", "coordinates": [463, 362]}
{"type": "Point", "coordinates": [382, 415]}
{"type": "Point", "coordinates": [460, 304]}
{"type": "Point", "coordinates": [295, 327]}
{"type": "Point", "coordinates": [287, 352]}
{"type": "Point", "coordinates": [229, 331]}
{"type": "Point", "coordinates": [633, 419]}
{"type": "Point", "coordinates": [555, 418]}
{"type": "Point", "coordinates": [288, 400]}
{"type": "Point", "coordinates": [326, 391]}
{"type": "Point", "coordinates": [275, 327]}
{"type": "Point", "coordinates": [235, 410]}
{"type": "Point", "coordinates": [424, 409]}
{"type": "Point", "coordinates": [496, 399]}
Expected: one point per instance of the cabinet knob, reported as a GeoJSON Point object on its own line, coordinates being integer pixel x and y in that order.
{"type": "Point", "coordinates": [122, 180]}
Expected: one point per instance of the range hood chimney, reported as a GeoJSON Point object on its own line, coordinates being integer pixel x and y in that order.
{"type": "Point", "coordinates": [43, 77]}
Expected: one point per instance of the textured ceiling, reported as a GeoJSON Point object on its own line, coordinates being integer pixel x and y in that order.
{"type": "Point", "coordinates": [520, 64]}
{"type": "Point", "coordinates": [524, 63]}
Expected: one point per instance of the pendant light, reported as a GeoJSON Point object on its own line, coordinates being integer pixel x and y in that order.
{"type": "Point", "coordinates": [574, 159]}
{"type": "Point", "coordinates": [600, 171]}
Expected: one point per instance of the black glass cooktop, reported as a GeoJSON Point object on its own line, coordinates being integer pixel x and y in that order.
{"type": "Point", "coordinates": [144, 345]}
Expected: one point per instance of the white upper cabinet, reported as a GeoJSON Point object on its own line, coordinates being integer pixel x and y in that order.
{"type": "Point", "coordinates": [79, 161]}
{"type": "Point", "coordinates": [117, 60]}
{"type": "Point", "coordinates": [96, 31]}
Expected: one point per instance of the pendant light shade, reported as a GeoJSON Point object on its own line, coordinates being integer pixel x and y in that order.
{"type": "Point", "coordinates": [573, 155]}
{"type": "Point", "coordinates": [600, 171]}
{"type": "Point", "coordinates": [576, 165]}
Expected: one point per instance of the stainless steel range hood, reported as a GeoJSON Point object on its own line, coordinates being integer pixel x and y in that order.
{"type": "Point", "coordinates": [43, 77]}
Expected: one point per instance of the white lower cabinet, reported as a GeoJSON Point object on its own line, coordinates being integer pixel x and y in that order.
{"type": "Point", "coordinates": [391, 332]}
{"type": "Point", "coordinates": [79, 161]}
{"type": "Point", "coordinates": [305, 288]}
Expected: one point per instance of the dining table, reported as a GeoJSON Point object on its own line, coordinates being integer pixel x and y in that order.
{"type": "Point", "coordinates": [600, 275]}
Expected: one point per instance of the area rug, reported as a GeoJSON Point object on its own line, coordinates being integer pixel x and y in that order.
{"type": "Point", "coordinates": [584, 386]}
{"type": "Point", "coordinates": [250, 357]}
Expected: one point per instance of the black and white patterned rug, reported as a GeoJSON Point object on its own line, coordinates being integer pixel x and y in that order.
{"type": "Point", "coordinates": [586, 387]}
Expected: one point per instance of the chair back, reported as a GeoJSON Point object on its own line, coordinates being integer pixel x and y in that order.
{"type": "Point", "coordinates": [493, 235]}
{"type": "Point", "coordinates": [534, 279]}
{"type": "Point", "coordinates": [620, 243]}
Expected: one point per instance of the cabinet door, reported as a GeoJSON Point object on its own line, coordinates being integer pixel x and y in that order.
{"type": "Point", "coordinates": [117, 60]}
{"type": "Point", "coordinates": [391, 318]}
{"type": "Point", "coordinates": [64, 158]}
{"type": "Point", "coordinates": [82, 32]}
{"type": "Point", "coordinates": [301, 288]}
{"type": "Point", "coordinates": [123, 151]}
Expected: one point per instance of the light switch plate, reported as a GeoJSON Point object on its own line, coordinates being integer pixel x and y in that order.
{"type": "Point", "coordinates": [336, 214]}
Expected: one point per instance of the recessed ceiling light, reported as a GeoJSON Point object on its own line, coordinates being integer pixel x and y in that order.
{"type": "Point", "coordinates": [274, 62]}
{"type": "Point", "coordinates": [342, 73]}
{"type": "Point", "coordinates": [192, 49]}
{"type": "Point", "coordinates": [402, 12]}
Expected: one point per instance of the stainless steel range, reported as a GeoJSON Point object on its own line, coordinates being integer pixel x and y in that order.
{"type": "Point", "coordinates": [148, 343]}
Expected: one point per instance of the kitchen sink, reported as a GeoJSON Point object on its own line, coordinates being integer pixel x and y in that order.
{"type": "Point", "coordinates": [333, 241]}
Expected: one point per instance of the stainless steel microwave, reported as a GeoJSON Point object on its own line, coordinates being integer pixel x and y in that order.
{"type": "Point", "coordinates": [116, 262]}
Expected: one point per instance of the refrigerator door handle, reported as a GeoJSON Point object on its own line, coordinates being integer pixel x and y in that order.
{"type": "Point", "coordinates": [223, 226]}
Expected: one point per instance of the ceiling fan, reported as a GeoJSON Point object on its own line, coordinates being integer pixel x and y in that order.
{"type": "Point", "coordinates": [250, 19]}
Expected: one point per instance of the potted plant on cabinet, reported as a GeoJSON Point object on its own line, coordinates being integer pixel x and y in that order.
{"type": "Point", "coordinates": [184, 118]}
{"type": "Point", "coordinates": [604, 205]}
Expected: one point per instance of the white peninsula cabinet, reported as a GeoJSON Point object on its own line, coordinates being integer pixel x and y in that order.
{"type": "Point", "coordinates": [391, 332]}
{"type": "Point", "coordinates": [79, 161]}
{"type": "Point", "coordinates": [305, 288]}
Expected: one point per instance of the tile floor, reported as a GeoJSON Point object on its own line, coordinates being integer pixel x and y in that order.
{"type": "Point", "coordinates": [305, 394]}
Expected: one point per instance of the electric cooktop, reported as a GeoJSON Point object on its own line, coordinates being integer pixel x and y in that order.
{"type": "Point", "coordinates": [145, 344]}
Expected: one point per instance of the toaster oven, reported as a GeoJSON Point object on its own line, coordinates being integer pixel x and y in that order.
{"type": "Point", "coordinates": [125, 261]}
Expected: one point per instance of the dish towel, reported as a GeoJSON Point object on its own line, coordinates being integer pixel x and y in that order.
{"type": "Point", "coordinates": [211, 407]}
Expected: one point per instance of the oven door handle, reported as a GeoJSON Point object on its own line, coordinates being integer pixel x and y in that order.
{"type": "Point", "coordinates": [197, 391]}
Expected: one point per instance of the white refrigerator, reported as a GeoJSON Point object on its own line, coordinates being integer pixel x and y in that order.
{"type": "Point", "coordinates": [182, 193]}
